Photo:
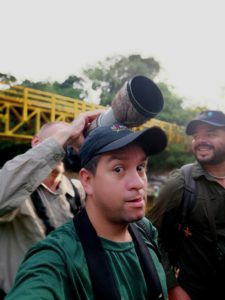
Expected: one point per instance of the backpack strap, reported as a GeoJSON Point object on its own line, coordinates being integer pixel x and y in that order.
{"type": "Point", "coordinates": [75, 207]}
{"type": "Point", "coordinates": [41, 211]}
{"type": "Point", "coordinates": [142, 224]}
{"type": "Point", "coordinates": [99, 266]}
{"type": "Point", "coordinates": [75, 202]}
{"type": "Point", "coordinates": [147, 264]}
{"type": "Point", "coordinates": [189, 196]}
{"type": "Point", "coordinates": [97, 261]}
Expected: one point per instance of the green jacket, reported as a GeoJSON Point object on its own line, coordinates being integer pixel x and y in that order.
{"type": "Point", "coordinates": [56, 268]}
{"type": "Point", "coordinates": [194, 252]}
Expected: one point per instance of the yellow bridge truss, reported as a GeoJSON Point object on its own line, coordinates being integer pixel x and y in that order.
{"type": "Point", "coordinates": [24, 110]}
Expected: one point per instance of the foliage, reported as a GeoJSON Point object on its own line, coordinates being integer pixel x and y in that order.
{"type": "Point", "coordinates": [173, 157]}
{"type": "Point", "coordinates": [111, 74]}
{"type": "Point", "coordinates": [107, 77]}
{"type": "Point", "coordinates": [173, 110]}
{"type": "Point", "coordinates": [72, 87]}
{"type": "Point", "coordinates": [7, 78]}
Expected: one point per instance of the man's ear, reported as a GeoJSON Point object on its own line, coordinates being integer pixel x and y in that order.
{"type": "Point", "coordinates": [86, 177]}
{"type": "Point", "coordinates": [35, 141]}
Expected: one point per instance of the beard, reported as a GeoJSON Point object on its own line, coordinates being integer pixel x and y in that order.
{"type": "Point", "coordinates": [217, 156]}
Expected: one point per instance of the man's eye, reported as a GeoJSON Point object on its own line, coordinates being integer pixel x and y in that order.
{"type": "Point", "coordinates": [141, 168]}
{"type": "Point", "coordinates": [118, 169]}
{"type": "Point", "coordinates": [211, 134]}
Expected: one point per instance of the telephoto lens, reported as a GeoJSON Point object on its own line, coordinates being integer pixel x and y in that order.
{"type": "Point", "coordinates": [139, 100]}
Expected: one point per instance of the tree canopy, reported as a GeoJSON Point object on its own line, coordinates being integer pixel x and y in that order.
{"type": "Point", "coordinates": [107, 77]}
{"type": "Point", "coordinates": [72, 87]}
{"type": "Point", "coordinates": [111, 74]}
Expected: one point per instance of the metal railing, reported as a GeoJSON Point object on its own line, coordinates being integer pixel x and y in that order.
{"type": "Point", "coordinates": [24, 110]}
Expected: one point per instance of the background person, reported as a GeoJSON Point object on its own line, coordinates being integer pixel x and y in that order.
{"type": "Point", "coordinates": [38, 172]}
{"type": "Point", "coordinates": [197, 250]}
{"type": "Point", "coordinates": [113, 160]}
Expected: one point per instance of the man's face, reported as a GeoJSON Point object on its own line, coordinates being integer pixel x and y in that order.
{"type": "Point", "coordinates": [118, 188]}
{"type": "Point", "coordinates": [208, 144]}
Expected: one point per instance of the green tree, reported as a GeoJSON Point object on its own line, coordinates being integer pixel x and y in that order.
{"type": "Point", "coordinates": [110, 75]}
{"type": "Point", "coordinates": [7, 78]}
{"type": "Point", "coordinates": [173, 110]}
{"type": "Point", "coordinates": [174, 156]}
{"type": "Point", "coordinates": [73, 87]}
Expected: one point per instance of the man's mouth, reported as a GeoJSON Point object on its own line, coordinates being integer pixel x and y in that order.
{"type": "Point", "coordinates": [203, 148]}
{"type": "Point", "coordinates": [137, 202]}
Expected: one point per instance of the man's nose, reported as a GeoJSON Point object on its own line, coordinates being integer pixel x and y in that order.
{"type": "Point", "coordinates": [200, 138]}
{"type": "Point", "coordinates": [136, 181]}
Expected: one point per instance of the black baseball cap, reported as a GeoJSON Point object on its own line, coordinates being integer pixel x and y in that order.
{"type": "Point", "coordinates": [109, 138]}
{"type": "Point", "coordinates": [211, 117]}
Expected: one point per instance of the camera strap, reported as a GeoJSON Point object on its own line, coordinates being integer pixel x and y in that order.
{"type": "Point", "coordinates": [41, 211]}
{"type": "Point", "coordinates": [99, 266]}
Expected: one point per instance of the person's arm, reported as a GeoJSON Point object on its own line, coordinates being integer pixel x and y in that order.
{"type": "Point", "coordinates": [20, 176]}
{"type": "Point", "coordinates": [165, 215]}
{"type": "Point", "coordinates": [42, 275]}
{"type": "Point", "coordinates": [73, 135]}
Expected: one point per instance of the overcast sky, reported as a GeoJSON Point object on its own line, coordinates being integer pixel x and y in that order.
{"type": "Point", "coordinates": [52, 39]}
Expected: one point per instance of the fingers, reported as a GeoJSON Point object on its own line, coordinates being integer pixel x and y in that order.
{"type": "Point", "coordinates": [73, 133]}
{"type": "Point", "coordinates": [79, 125]}
{"type": "Point", "coordinates": [92, 115]}
{"type": "Point", "coordinates": [87, 118]}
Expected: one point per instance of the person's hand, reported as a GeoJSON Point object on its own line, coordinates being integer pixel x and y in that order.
{"type": "Point", "coordinates": [73, 134]}
{"type": "Point", "coordinates": [177, 293]}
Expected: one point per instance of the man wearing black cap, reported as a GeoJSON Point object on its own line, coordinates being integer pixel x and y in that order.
{"type": "Point", "coordinates": [192, 228]}
{"type": "Point", "coordinates": [103, 253]}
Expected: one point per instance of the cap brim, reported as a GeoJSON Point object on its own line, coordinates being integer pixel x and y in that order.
{"type": "Point", "coordinates": [191, 127]}
{"type": "Point", "coordinates": [153, 140]}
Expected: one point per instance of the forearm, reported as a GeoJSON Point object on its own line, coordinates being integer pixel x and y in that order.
{"type": "Point", "coordinates": [73, 133]}
{"type": "Point", "coordinates": [42, 275]}
{"type": "Point", "coordinates": [20, 176]}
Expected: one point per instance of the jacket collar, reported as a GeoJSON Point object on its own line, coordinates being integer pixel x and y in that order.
{"type": "Point", "coordinates": [65, 187]}
{"type": "Point", "coordinates": [199, 171]}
